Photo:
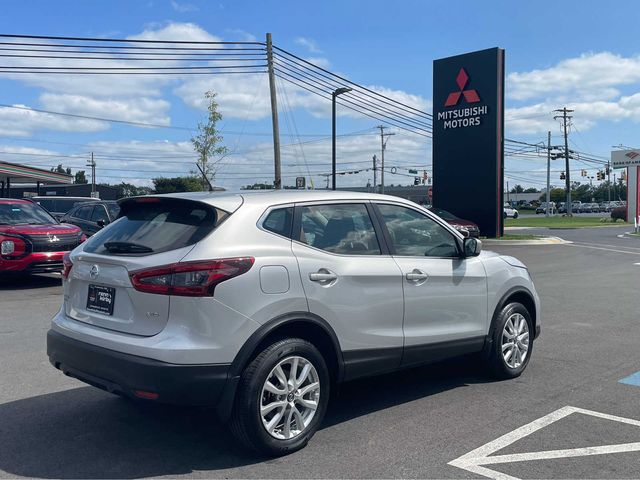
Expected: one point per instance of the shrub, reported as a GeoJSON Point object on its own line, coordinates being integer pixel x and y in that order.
{"type": "Point", "coordinates": [619, 213]}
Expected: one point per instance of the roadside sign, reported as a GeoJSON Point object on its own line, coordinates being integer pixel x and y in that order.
{"type": "Point", "coordinates": [300, 182]}
{"type": "Point", "coordinates": [625, 158]}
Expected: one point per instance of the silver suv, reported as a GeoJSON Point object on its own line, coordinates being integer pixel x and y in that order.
{"type": "Point", "coordinates": [260, 303]}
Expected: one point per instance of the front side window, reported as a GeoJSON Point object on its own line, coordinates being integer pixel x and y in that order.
{"type": "Point", "coordinates": [342, 228]}
{"type": "Point", "coordinates": [415, 234]}
{"type": "Point", "coordinates": [84, 213]}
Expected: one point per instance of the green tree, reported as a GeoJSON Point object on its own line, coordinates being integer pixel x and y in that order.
{"type": "Point", "coordinates": [258, 186]}
{"type": "Point", "coordinates": [61, 169]}
{"type": "Point", "coordinates": [130, 190]}
{"type": "Point", "coordinates": [177, 184]}
{"type": "Point", "coordinates": [517, 189]}
{"type": "Point", "coordinates": [531, 190]}
{"type": "Point", "coordinates": [81, 177]}
{"type": "Point", "coordinates": [207, 142]}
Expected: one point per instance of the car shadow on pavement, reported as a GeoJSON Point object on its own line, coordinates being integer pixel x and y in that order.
{"type": "Point", "coordinates": [87, 433]}
{"type": "Point", "coordinates": [28, 282]}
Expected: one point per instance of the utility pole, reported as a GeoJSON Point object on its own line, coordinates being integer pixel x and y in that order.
{"type": "Point", "coordinates": [566, 117]}
{"type": "Point", "coordinates": [93, 175]}
{"type": "Point", "coordinates": [548, 172]}
{"type": "Point", "coordinates": [375, 177]}
{"type": "Point", "coordinates": [609, 179]}
{"type": "Point", "coordinates": [383, 146]}
{"type": "Point", "coordinates": [277, 183]}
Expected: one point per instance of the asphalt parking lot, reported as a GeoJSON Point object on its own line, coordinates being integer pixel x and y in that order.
{"type": "Point", "coordinates": [567, 416]}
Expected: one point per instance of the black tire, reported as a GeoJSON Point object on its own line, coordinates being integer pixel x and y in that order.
{"type": "Point", "coordinates": [504, 214]}
{"type": "Point", "coordinates": [515, 215]}
{"type": "Point", "coordinates": [495, 360]}
{"type": "Point", "coordinates": [246, 421]}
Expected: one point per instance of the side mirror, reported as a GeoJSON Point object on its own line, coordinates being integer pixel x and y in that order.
{"type": "Point", "coordinates": [471, 247]}
{"type": "Point", "coordinates": [100, 223]}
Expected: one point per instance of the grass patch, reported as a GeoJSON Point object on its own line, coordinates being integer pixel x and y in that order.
{"type": "Point", "coordinates": [562, 222]}
{"type": "Point", "coordinates": [508, 236]}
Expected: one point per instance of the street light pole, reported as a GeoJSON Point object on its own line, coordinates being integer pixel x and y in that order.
{"type": "Point", "coordinates": [334, 94]}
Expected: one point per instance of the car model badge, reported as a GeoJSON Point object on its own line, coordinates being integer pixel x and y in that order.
{"type": "Point", "coordinates": [94, 272]}
{"type": "Point", "coordinates": [52, 238]}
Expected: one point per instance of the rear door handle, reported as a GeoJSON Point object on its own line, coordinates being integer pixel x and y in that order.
{"type": "Point", "coordinates": [323, 276]}
{"type": "Point", "coordinates": [416, 275]}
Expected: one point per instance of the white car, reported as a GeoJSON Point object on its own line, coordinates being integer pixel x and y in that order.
{"type": "Point", "coordinates": [509, 211]}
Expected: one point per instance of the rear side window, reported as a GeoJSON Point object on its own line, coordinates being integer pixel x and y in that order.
{"type": "Point", "coordinates": [114, 210]}
{"type": "Point", "coordinates": [152, 225]}
{"type": "Point", "coordinates": [279, 221]}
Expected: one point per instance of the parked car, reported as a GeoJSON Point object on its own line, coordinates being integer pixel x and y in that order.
{"type": "Point", "coordinates": [91, 217]}
{"type": "Point", "coordinates": [543, 208]}
{"type": "Point", "coordinates": [562, 207]}
{"type": "Point", "coordinates": [466, 227]}
{"type": "Point", "coordinates": [260, 303]}
{"type": "Point", "coordinates": [583, 208]}
{"type": "Point", "coordinates": [58, 206]}
{"type": "Point", "coordinates": [31, 240]}
{"type": "Point", "coordinates": [508, 211]}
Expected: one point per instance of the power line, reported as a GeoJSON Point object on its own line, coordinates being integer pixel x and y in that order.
{"type": "Point", "coordinates": [351, 107]}
{"type": "Point", "coordinates": [358, 86]}
{"type": "Point", "coordinates": [127, 40]}
{"type": "Point", "coordinates": [319, 75]}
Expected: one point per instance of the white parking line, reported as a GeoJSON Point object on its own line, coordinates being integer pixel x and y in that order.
{"type": "Point", "coordinates": [601, 248]}
{"type": "Point", "coordinates": [475, 460]}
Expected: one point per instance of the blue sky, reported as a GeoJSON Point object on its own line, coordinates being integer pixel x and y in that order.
{"type": "Point", "coordinates": [583, 54]}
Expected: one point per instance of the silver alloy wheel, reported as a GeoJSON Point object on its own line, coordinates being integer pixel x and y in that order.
{"type": "Point", "coordinates": [289, 398]}
{"type": "Point", "coordinates": [515, 340]}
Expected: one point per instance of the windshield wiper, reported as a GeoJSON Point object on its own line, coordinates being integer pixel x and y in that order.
{"type": "Point", "coordinates": [127, 247]}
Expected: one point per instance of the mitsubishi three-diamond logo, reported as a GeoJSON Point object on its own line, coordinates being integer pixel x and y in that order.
{"type": "Point", "coordinates": [631, 155]}
{"type": "Point", "coordinates": [465, 115]}
{"type": "Point", "coordinates": [470, 96]}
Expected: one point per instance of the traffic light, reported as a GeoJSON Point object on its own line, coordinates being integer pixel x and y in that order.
{"type": "Point", "coordinates": [607, 169]}
{"type": "Point", "coordinates": [600, 176]}
{"type": "Point", "coordinates": [416, 180]}
{"type": "Point", "coordinates": [562, 177]}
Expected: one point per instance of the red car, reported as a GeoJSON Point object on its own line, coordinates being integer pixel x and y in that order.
{"type": "Point", "coordinates": [31, 240]}
{"type": "Point", "coordinates": [459, 224]}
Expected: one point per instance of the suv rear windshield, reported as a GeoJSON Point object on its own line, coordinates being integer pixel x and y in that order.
{"type": "Point", "coordinates": [151, 225]}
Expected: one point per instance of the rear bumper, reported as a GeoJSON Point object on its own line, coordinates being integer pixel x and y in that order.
{"type": "Point", "coordinates": [123, 374]}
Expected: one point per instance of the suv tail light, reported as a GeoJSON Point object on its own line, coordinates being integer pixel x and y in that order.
{"type": "Point", "coordinates": [66, 265]}
{"type": "Point", "coordinates": [189, 279]}
{"type": "Point", "coordinates": [12, 247]}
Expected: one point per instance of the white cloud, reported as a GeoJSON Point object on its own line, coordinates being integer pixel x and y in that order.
{"type": "Point", "coordinates": [142, 109]}
{"type": "Point", "coordinates": [591, 76]}
{"type": "Point", "coordinates": [183, 7]}
{"type": "Point", "coordinates": [308, 43]}
{"type": "Point", "coordinates": [23, 122]}
{"type": "Point", "coordinates": [239, 35]}
{"type": "Point", "coordinates": [538, 118]}
{"type": "Point", "coordinates": [239, 96]}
